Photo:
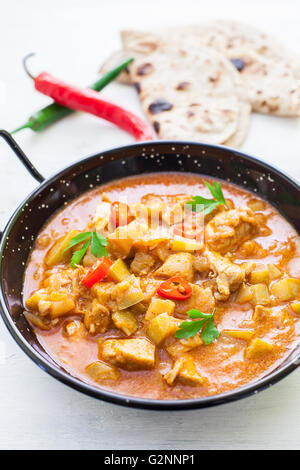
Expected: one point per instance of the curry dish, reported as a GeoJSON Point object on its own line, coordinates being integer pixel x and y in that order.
{"type": "Point", "coordinates": [166, 286]}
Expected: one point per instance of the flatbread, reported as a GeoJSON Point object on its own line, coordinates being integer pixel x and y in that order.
{"type": "Point", "coordinates": [188, 91]}
{"type": "Point", "coordinates": [270, 73]}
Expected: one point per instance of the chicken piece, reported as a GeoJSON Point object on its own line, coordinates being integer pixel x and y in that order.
{"type": "Point", "coordinates": [74, 330]}
{"type": "Point", "coordinates": [102, 217]}
{"type": "Point", "coordinates": [103, 292]}
{"type": "Point", "coordinates": [129, 354]}
{"type": "Point", "coordinates": [229, 275]}
{"type": "Point", "coordinates": [184, 370]}
{"type": "Point", "coordinates": [161, 251]}
{"type": "Point", "coordinates": [54, 304]}
{"type": "Point", "coordinates": [142, 263]}
{"type": "Point", "coordinates": [202, 299]}
{"type": "Point", "coordinates": [149, 286]}
{"type": "Point", "coordinates": [121, 241]}
{"type": "Point", "coordinates": [177, 264]}
{"type": "Point", "coordinates": [125, 321]}
{"type": "Point", "coordinates": [127, 293]}
{"type": "Point", "coordinates": [201, 263]}
{"type": "Point", "coordinates": [228, 229]}
{"type": "Point", "coordinates": [97, 320]}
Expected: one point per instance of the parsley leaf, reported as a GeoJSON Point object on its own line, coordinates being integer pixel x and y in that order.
{"type": "Point", "coordinates": [79, 254]}
{"type": "Point", "coordinates": [188, 329]}
{"type": "Point", "coordinates": [209, 332]}
{"type": "Point", "coordinates": [81, 237]}
{"type": "Point", "coordinates": [98, 245]}
{"type": "Point", "coordinates": [216, 191]}
{"type": "Point", "coordinates": [97, 242]}
{"type": "Point", "coordinates": [200, 203]}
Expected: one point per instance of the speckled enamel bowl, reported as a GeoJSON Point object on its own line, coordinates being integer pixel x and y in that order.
{"type": "Point", "coordinates": [24, 225]}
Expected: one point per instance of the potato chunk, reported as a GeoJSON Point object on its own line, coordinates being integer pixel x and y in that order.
{"type": "Point", "coordinates": [179, 347]}
{"type": "Point", "coordinates": [259, 275]}
{"type": "Point", "coordinates": [184, 370]}
{"type": "Point", "coordinates": [125, 321]}
{"type": "Point", "coordinates": [129, 354]}
{"type": "Point", "coordinates": [274, 272]}
{"type": "Point", "coordinates": [244, 294]}
{"type": "Point", "coordinates": [161, 327]}
{"type": "Point", "coordinates": [258, 348]}
{"type": "Point", "coordinates": [286, 289]}
{"type": "Point", "coordinates": [177, 264]}
{"type": "Point", "coordinates": [57, 253]}
{"type": "Point", "coordinates": [245, 335]}
{"type": "Point", "coordinates": [127, 293]}
{"type": "Point", "coordinates": [123, 238]}
{"type": "Point", "coordinates": [158, 306]}
{"type": "Point", "coordinates": [184, 244]}
{"type": "Point", "coordinates": [296, 307]}
{"type": "Point", "coordinates": [118, 271]}
{"type": "Point", "coordinates": [260, 294]}
{"type": "Point", "coordinates": [99, 371]}
{"type": "Point", "coordinates": [32, 302]}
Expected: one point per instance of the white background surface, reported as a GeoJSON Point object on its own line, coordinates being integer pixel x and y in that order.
{"type": "Point", "coordinates": [71, 39]}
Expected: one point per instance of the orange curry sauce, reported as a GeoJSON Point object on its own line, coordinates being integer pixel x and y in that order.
{"type": "Point", "coordinates": [223, 363]}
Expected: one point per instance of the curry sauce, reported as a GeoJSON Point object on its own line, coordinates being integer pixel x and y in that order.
{"type": "Point", "coordinates": [240, 262]}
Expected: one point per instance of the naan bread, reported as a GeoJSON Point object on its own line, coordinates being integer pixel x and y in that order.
{"type": "Point", "coordinates": [269, 72]}
{"type": "Point", "coordinates": [188, 91]}
{"type": "Point", "coordinates": [271, 75]}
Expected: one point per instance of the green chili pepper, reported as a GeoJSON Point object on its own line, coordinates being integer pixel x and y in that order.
{"type": "Point", "coordinates": [54, 112]}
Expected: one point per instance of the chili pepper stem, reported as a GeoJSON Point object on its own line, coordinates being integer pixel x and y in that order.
{"type": "Point", "coordinates": [25, 126]}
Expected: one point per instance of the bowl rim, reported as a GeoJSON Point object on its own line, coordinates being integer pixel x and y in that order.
{"type": "Point", "coordinates": [115, 397]}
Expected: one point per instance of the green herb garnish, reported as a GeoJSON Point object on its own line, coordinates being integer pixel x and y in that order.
{"type": "Point", "coordinates": [200, 203]}
{"type": "Point", "coordinates": [188, 329]}
{"type": "Point", "coordinates": [97, 242]}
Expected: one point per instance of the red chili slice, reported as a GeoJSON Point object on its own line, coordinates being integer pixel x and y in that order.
{"type": "Point", "coordinates": [175, 288]}
{"type": "Point", "coordinates": [187, 232]}
{"type": "Point", "coordinates": [97, 272]}
{"type": "Point", "coordinates": [120, 214]}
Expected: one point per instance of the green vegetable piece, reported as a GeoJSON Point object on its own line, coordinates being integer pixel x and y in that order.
{"type": "Point", "coordinates": [97, 242]}
{"type": "Point", "coordinates": [189, 329]}
{"type": "Point", "coordinates": [79, 254]}
{"type": "Point", "coordinates": [200, 203]}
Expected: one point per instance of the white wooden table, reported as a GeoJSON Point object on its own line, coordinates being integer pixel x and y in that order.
{"type": "Point", "coordinates": [71, 38]}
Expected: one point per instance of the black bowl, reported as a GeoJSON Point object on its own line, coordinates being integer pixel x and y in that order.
{"type": "Point", "coordinates": [19, 235]}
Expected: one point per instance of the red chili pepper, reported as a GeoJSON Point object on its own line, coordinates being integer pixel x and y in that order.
{"type": "Point", "coordinates": [120, 214]}
{"type": "Point", "coordinates": [97, 272]}
{"type": "Point", "coordinates": [190, 231]}
{"type": "Point", "coordinates": [175, 288]}
{"type": "Point", "coordinates": [90, 101]}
